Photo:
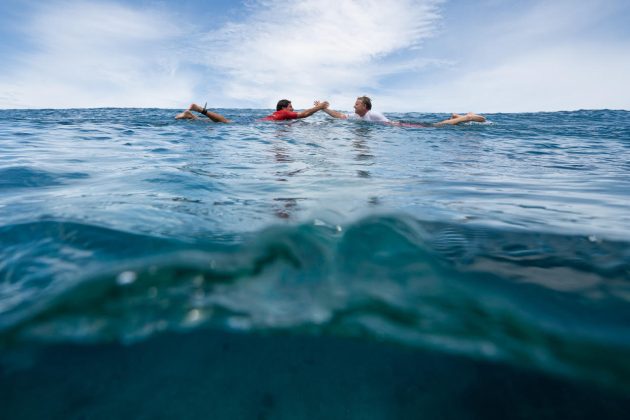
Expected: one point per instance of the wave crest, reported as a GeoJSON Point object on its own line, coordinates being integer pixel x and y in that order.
{"type": "Point", "coordinates": [556, 303]}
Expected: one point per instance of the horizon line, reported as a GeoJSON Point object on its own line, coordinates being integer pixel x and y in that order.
{"type": "Point", "coordinates": [267, 109]}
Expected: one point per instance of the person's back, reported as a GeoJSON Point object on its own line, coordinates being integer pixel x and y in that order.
{"type": "Point", "coordinates": [369, 116]}
{"type": "Point", "coordinates": [283, 114]}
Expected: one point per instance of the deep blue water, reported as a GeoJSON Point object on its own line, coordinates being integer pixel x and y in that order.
{"type": "Point", "coordinates": [319, 268]}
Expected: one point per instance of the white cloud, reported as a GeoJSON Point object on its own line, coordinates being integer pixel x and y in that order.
{"type": "Point", "coordinates": [96, 54]}
{"type": "Point", "coordinates": [308, 50]}
{"type": "Point", "coordinates": [519, 57]}
{"type": "Point", "coordinates": [550, 79]}
{"type": "Point", "coordinates": [550, 57]}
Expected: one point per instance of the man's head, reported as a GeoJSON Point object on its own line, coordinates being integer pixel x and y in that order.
{"type": "Point", "coordinates": [362, 105]}
{"type": "Point", "coordinates": [284, 104]}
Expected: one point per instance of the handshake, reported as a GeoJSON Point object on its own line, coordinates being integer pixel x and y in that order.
{"type": "Point", "coordinates": [321, 105]}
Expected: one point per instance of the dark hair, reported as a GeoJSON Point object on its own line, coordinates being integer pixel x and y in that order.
{"type": "Point", "coordinates": [366, 101]}
{"type": "Point", "coordinates": [282, 103]}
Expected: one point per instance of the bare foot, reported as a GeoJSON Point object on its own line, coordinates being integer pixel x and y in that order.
{"type": "Point", "coordinates": [474, 117]}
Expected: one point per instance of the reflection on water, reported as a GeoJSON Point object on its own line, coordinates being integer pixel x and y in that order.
{"type": "Point", "coordinates": [127, 167]}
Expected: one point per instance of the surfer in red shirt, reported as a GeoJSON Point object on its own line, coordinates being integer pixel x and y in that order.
{"type": "Point", "coordinates": [284, 111]}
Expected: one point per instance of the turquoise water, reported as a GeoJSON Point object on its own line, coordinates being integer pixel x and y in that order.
{"type": "Point", "coordinates": [316, 268]}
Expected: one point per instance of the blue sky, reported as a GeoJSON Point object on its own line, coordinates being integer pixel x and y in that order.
{"type": "Point", "coordinates": [422, 55]}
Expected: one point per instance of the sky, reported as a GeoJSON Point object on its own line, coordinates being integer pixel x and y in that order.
{"type": "Point", "coordinates": [408, 56]}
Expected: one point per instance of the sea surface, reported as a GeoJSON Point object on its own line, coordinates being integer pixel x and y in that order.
{"type": "Point", "coordinates": [319, 268]}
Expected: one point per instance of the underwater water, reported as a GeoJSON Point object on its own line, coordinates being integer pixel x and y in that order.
{"type": "Point", "coordinates": [320, 268]}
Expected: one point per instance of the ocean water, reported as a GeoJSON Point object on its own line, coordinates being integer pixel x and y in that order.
{"type": "Point", "coordinates": [154, 268]}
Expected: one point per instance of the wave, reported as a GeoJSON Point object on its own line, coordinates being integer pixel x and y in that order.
{"type": "Point", "coordinates": [550, 302]}
{"type": "Point", "coordinates": [25, 177]}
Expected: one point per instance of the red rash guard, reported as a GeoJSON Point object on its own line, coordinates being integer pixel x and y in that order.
{"type": "Point", "coordinates": [283, 114]}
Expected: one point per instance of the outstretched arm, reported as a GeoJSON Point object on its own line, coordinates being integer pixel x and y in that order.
{"type": "Point", "coordinates": [308, 112]}
{"type": "Point", "coordinates": [456, 119]}
{"type": "Point", "coordinates": [332, 113]}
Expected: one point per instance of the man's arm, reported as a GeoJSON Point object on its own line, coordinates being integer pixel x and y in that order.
{"type": "Point", "coordinates": [332, 113]}
{"type": "Point", "coordinates": [188, 115]}
{"type": "Point", "coordinates": [311, 111]}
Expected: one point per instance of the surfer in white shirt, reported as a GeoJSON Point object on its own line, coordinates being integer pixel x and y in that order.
{"type": "Point", "coordinates": [363, 111]}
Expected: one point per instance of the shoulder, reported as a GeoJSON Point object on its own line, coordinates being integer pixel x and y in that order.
{"type": "Point", "coordinates": [283, 114]}
{"type": "Point", "coordinates": [376, 116]}
{"type": "Point", "coordinates": [287, 115]}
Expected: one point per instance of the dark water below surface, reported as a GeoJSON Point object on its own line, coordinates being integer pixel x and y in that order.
{"type": "Point", "coordinates": [156, 268]}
